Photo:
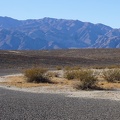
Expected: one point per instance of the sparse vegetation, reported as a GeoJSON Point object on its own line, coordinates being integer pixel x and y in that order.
{"type": "Point", "coordinates": [106, 67]}
{"type": "Point", "coordinates": [36, 75]}
{"type": "Point", "coordinates": [87, 80]}
{"type": "Point", "coordinates": [83, 79]}
{"type": "Point", "coordinates": [52, 74]}
{"type": "Point", "coordinates": [98, 67]}
{"type": "Point", "coordinates": [113, 67]}
{"type": "Point", "coordinates": [76, 68]}
{"type": "Point", "coordinates": [72, 74]}
{"type": "Point", "coordinates": [59, 67]}
{"type": "Point", "coordinates": [68, 68]}
{"type": "Point", "coordinates": [112, 75]}
{"type": "Point", "coordinates": [85, 58]}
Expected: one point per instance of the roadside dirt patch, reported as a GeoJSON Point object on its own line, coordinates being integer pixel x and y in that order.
{"type": "Point", "coordinates": [61, 85]}
{"type": "Point", "coordinates": [19, 81]}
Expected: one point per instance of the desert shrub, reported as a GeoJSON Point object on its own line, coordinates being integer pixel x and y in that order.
{"type": "Point", "coordinates": [72, 68]}
{"type": "Point", "coordinates": [76, 68]}
{"type": "Point", "coordinates": [112, 75]}
{"type": "Point", "coordinates": [105, 66]}
{"type": "Point", "coordinates": [87, 80]}
{"type": "Point", "coordinates": [66, 68]}
{"type": "Point", "coordinates": [36, 75]}
{"type": "Point", "coordinates": [113, 66]}
{"type": "Point", "coordinates": [52, 74]}
{"type": "Point", "coordinates": [72, 74]}
{"type": "Point", "coordinates": [59, 67]}
{"type": "Point", "coordinates": [98, 67]}
{"type": "Point", "coordinates": [69, 75]}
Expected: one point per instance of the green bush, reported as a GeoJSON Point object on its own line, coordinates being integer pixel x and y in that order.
{"type": "Point", "coordinates": [36, 75]}
{"type": "Point", "coordinates": [87, 80]}
{"type": "Point", "coordinates": [112, 75]}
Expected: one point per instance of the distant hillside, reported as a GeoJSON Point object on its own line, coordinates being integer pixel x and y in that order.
{"type": "Point", "coordinates": [50, 33]}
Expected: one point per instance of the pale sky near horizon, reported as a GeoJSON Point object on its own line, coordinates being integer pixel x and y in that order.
{"type": "Point", "coordinates": [94, 11]}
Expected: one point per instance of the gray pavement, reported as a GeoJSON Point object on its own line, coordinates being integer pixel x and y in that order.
{"type": "Point", "coordinates": [16, 105]}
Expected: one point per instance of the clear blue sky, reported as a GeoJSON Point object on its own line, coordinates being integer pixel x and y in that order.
{"type": "Point", "coordinates": [95, 11]}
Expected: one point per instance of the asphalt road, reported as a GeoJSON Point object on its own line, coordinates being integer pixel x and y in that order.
{"type": "Point", "coordinates": [15, 105]}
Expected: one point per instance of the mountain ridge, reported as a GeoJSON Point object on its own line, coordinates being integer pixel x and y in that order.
{"type": "Point", "coordinates": [52, 33]}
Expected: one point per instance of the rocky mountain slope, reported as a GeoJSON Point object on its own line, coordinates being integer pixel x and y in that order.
{"type": "Point", "coordinates": [50, 33]}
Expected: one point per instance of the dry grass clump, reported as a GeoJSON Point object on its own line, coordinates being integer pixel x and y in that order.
{"type": "Point", "coordinates": [52, 74]}
{"type": "Point", "coordinates": [98, 67]}
{"type": "Point", "coordinates": [112, 75]}
{"type": "Point", "coordinates": [36, 75]}
{"type": "Point", "coordinates": [72, 74]}
{"type": "Point", "coordinates": [87, 80]}
{"type": "Point", "coordinates": [113, 66]}
{"type": "Point", "coordinates": [67, 68]}
{"type": "Point", "coordinates": [83, 79]}
{"type": "Point", "coordinates": [59, 67]}
{"type": "Point", "coordinates": [105, 66]}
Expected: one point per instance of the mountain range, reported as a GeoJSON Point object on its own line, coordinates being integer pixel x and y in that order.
{"type": "Point", "coordinates": [51, 33]}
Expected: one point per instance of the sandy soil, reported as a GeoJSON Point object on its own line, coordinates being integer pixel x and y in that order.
{"type": "Point", "coordinates": [66, 90]}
